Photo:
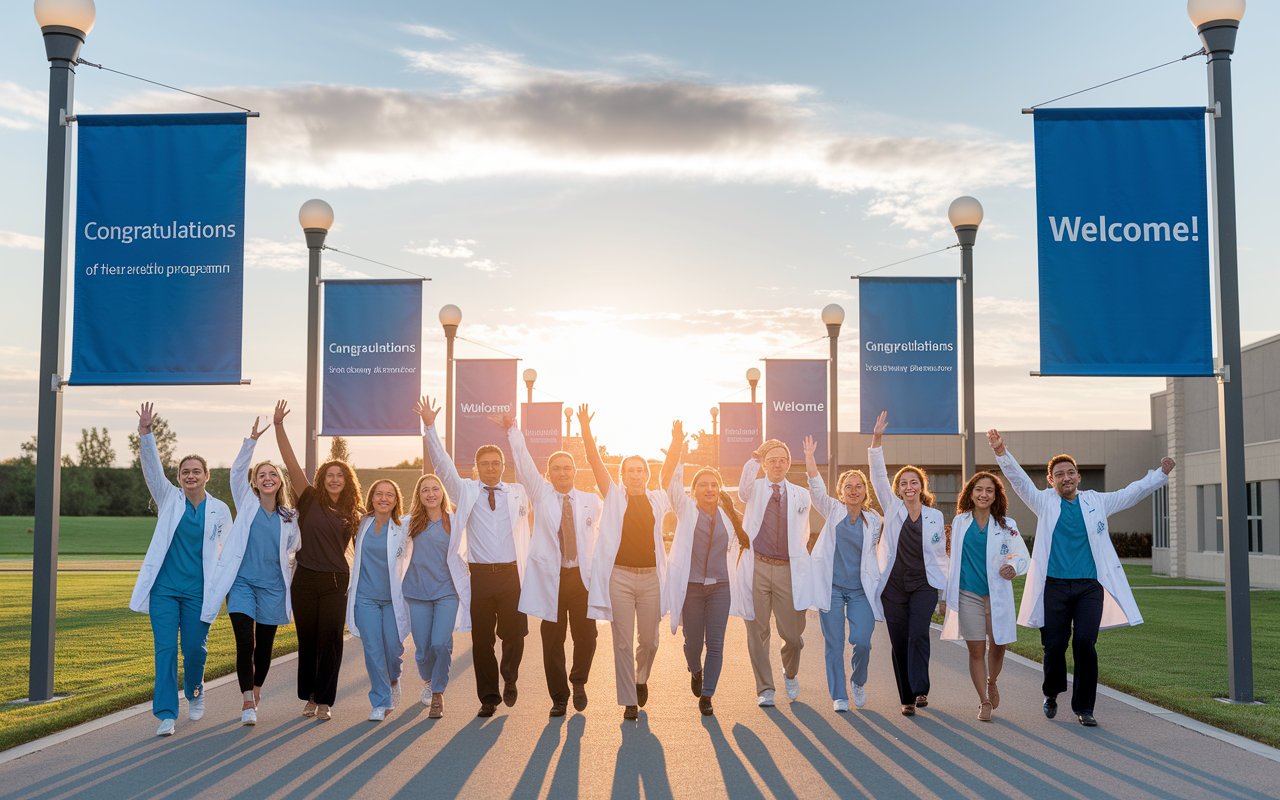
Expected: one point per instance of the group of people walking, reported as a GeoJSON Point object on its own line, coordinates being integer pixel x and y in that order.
{"type": "Point", "coordinates": [483, 555]}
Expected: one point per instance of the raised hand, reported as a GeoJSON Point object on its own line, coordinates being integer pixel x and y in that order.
{"type": "Point", "coordinates": [997, 444]}
{"type": "Point", "coordinates": [505, 421]}
{"type": "Point", "coordinates": [425, 410]}
{"type": "Point", "coordinates": [810, 447]}
{"type": "Point", "coordinates": [677, 431]}
{"type": "Point", "coordinates": [282, 411]}
{"type": "Point", "coordinates": [877, 433]}
{"type": "Point", "coordinates": [255, 433]}
{"type": "Point", "coordinates": [145, 415]}
{"type": "Point", "coordinates": [584, 419]}
{"type": "Point", "coordinates": [1167, 464]}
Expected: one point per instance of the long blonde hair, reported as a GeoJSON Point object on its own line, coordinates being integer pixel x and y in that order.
{"type": "Point", "coordinates": [870, 503]}
{"type": "Point", "coordinates": [418, 519]}
{"type": "Point", "coordinates": [284, 493]}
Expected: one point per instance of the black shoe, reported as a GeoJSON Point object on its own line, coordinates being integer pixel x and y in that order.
{"type": "Point", "coordinates": [630, 712]}
{"type": "Point", "coordinates": [696, 684]}
{"type": "Point", "coordinates": [1086, 719]}
{"type": "Point", "coordinates": [580, 697]}
{"type": "Point", "coordinates": [642, 693]}
{"type": "Point", "coordinates": [559, 708]}
{"type": "Point", "coordinates": [486, 710]}
{"type": "Point", "coordinates": [1050, 707]}
{"type": "Point", "coordinates": [704, 705]}
{"type": "Point", "coordinates": [509, 694]}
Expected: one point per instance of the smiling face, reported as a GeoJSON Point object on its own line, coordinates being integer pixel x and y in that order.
{"type": "Point", "coordinates": [431, 494]}
{"type": "Point", "coordinates": [984, 494]}
{"type": "Point", "coordinates": [635, 475]}
{"type": "Point", "coordinates": [192, 476]}
{"type": "Point", "coordinates": [776, 464]}
{"type": "Point", "coordinates": [489, 466]}
{"type": "Point", "coordinates": [383, 498]}
{"type": "Point", "coordinates": [909, 487]}
{"type": "Point", "coordinates": [334, 481]}
{"type": "Point", "coordinates": [853, 490]}
{"type": "Point", "coordinates": [1065, 479]}
{"type": "Point", "coordinates": [706, 492]}
{"type": "Point", "coordinates": [561, 471]}
{"type": "Point", "coordinates": [266, 480]}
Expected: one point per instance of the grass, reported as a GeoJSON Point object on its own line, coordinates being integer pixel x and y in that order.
{"type": "Point", "coordinates": [103, 655]}
{"type": "Point", "coordinates": [81, 536]}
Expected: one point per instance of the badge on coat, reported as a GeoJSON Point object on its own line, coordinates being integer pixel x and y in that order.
{"type": "Point", "coordinates": [800, 512]}
{"type": "Point", "coordinates": [937, 537]}
{"type": "Point", "coordinates": [1102, 526]}
{"type": "Point", "coordinates": [400, 551]}
{"type": "Point", "coordinates": [1004, 549]}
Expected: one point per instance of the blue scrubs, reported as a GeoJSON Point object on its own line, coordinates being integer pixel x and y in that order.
{"type": "Point", "coordinates": [376, 618]}
{"type": "Point", "coordinates": [433, 604]}
{"type": "Point", "coordinates": [973, 560]}
{"type": "Point", "coordinates": [1070, 556]}
{"type": "Point", "coordinates": [174, 607]}
{"type": "Point", "coordinates": [258, 590]}
{"type": "Point", "coordinates": [848, 602]}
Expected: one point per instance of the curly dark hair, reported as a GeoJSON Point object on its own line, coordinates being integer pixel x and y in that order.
{"type": "Point", "coordinates": [999, 506]}
{"type": "Point", "coordinates": [350, 506]}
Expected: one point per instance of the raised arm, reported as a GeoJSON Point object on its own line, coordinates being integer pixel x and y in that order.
{"type": "Point", "coordinates": [241, 489]}
{"type": "Point", "coordinates": [810, 464]}
{"type": "Point", "coordinates": [1022, 484]}
{"type": "Point", "coordinates": [825, 503]}
{"type": "Point", "coordinates": [298, 478]}
{"type": "Point", "coordinates": [1131, 494]}
{"type": "Point", "coordinates": [675, 451]}
{"type": "Point", "coordinates": [875, 459]}
{"type": "Point", "coordinates": [603, 482]}
{"type": "Point", "coordinates": [747, 481]}
{"type": "Point", "coordinates": [152, 469]}
{"type": "Point", "coordinates": [681, 503]}
{"type": "Point", "coordinates": [526, 470]}
{"type": "Point", "coordinates": [440, 460]}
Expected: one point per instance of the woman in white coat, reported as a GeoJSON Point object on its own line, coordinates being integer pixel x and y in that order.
{"type": "Point", "coordinates": [703, 571]}
{"type": "Point", "coordinates": [261, 551]}
{"type": "Point", "coordinates": [913, 562]}
{"type": "Point", "coordinates": [845, 574]}
{"type": "Point", "coordinates": [628, 568]}
{"type": "Point", "coordinates": [376, 613]}
{"type": "Point", "coordinates": [979, 595]}
{"type": "Point", "coordinates": [182, 581]}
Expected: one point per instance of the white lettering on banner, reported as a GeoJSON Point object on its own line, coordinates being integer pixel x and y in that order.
{"type": "Point", "coordinates": [909, 368]}
{"type": "Point", "coordinates": [927, 346]}
{"type": "Point", "coordinates": [128, 234]}
{"type": "Point", "coordinates": [159, 270]}
{"type": "Point", "coordinates": [382, 347]}
{"type": "Point", "coordinates": [787, 405]}
{"type": "Point", "coordinates": [484, 408]}
{"type": "Point", "coordinates": [1123, 231]}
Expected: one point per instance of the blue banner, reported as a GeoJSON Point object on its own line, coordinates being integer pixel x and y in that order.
{"type": "Point", "coordinates": [372, 357]}
{"type": "Point", "coordinates": [1123, 226]}
{"type": "Point", "coordinates": [909, 350]}
{"type": "Point", "coordinates": [795, 393]}
{"type": "Point", "coordinates": [159, 244]}
{"type": "Point", "coordinates": [484, 388]}
{"type": "Point", "coordinates": [741, 432]}
{"type": "Point", "coordinates": [540, 424]}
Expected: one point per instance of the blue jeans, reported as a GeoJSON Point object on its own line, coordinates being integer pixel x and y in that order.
{"type": "Point", "coordinates": [705, 616]}
{"type": "Point", "coordinates": [383, 648]}
{"type": "Point", "coordinates": [851, 604]}
{"type": "Point", "coordinates": [174, 616]}
{"type": "Point", "coordinates": [432, 623]}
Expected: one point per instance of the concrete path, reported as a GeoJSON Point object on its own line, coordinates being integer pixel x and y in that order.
{"type": "Point", "coordinates": [797, 750]}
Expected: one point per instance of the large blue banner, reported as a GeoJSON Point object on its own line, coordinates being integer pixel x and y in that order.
{"type": "Point", "coordinates": [485, 388]}
{"type": "Point", "coordinates": [159, 249]}
{"type": "Point", "coordinates": [1123, 228]}
{"type": "Point", "coordinates": [907, 362]}
{"type": "Point", "coordinates": [795, 393]}
{"type": "Point", "coordinates": [372, 357]}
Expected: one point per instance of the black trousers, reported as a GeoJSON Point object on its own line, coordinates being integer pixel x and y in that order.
{"type": "Point", "coordinates": [319, 613]}
{"type": "Point", "coordinates": [1072, 613]}
{"type": "Point", "coordinates": [495, 614]}
{"type": "Point", "coordinates": [572, 615]}
{"type": "Point", "coordinates": [907, 616]}
{"type": "Point", "coordinates": [253, 650]}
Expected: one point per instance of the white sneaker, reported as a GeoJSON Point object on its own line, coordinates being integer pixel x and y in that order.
{"type": "Point", "coordinates": [793, 687]}
{"type": "Point", "coordinates": [395, 694]}
{"type": "Point", "coordinates": [859, 696]}
{"type": "Point", "coordinates": [377, 715]}
{"type": "Point", "coordinates": [166, 728]}
{"type": "Point", "coordinates": [840, 705]}
{"type": "Point", "coordinates": [248, 717]}
{"type": "Point", "coordinates": [766, 699]}
{"type": "Point", "coordinates": [425, 697]}
{"type": "Point", "coordinates": [195, 709]}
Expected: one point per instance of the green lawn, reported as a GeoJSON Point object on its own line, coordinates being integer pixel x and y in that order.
{"type": "Point", "coordinates": [116, 536]}
{"type": "Point", "coordinates": [104, 653]}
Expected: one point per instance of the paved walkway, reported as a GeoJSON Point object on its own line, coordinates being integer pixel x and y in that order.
{"type": "Point", "coordinates": [797, 750]}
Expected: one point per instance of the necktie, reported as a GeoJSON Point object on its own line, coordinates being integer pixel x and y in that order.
{"type": "Point", "coordinates": [775, 509]}
{"type": "Point", "coordinates": [568, 539]}
{"type": "Point", "coordinates": [493, 505]}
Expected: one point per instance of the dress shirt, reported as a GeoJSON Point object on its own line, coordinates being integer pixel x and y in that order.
{"type": "Point", "coordinates": [489, 536]}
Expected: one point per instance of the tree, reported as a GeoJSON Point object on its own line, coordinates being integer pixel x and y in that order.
{"type": "Point", "coordinates": [29, 449]}
{"type": "Point", "coordinates": [95, 449]}
{"type": "Point", "coordinates": [406, 464]}
{"type": "Point", "coordinates": [338, 450]}
{"type": "Point", "coordinates": [166, 443]}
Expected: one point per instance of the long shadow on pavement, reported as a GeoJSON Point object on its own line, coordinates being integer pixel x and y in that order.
{"type": "Point", "coordinates": [381, 749]}
{"type": "Point", "coordinates": [448, 771]}
{"type": "Point", "coordinates": [565, 783]}
{"type": "Point", "coordinates": [1161, 762]}
{"type": "Point", "coordinates": [757, 753]}
{"type": "Point", "coordinates": [535, 772]}
{"type": "Point", "coordinates": [738, 783]}
{"type": "Point", "coordinates": [886, 738]}
{"type": "Point", "coordinates": [640, 761]}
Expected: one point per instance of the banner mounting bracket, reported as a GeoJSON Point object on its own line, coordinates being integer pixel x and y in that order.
{"type": "Point", "coordinates": [56, 382]}
{"type": "Point", "coordinates": [1223, 373]}
{"type": "Point", "coordinates": [64, 119]}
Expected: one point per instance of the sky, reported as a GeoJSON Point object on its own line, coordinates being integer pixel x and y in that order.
{"type": "Point", "coordinates": [639, 200]}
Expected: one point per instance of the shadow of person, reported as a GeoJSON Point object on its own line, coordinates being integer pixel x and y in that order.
{"type": "Point", "coordinates": [874, 779]}
{"type": "Point", "coordinates": [450, 768]}
{"type": "Point", "coordinates": [757, 754]}
{"type": "Point", "coordinates": [568, 769]}
{"type": "Point", "coordinates": [535, 771]}
{"type": "Point", "coordinates": [738, 783]}
{"type": "Point", "coordinates": [640, 762]}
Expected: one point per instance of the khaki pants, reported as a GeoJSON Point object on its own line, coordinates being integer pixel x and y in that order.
{"type": "Point", "coordinates": [637, 609]}
{"type": "Point", "coordinates": [771, 594]}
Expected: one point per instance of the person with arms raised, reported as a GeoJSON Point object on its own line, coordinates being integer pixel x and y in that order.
{"type": "Point", "coordinates": [1075, 584]}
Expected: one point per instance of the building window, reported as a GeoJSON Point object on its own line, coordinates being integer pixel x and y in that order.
{"type": "Point", "coordinates": [1253, 512]}
{"type": "Point", "coordinates": [1160, 517]}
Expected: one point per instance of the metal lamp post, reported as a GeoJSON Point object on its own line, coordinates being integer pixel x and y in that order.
{"type": "Point", "coordinates": [965, 214]}
{"type": "Point", "coordinates": [316, 218]}
{"type": "Point", "coordinates": [450, 318]}
{"type": "Point", "coordinates": [715, 437]}
{"type": "Point", "coordinates": [1217, 22]}
{"type": "Point", "coordinates": [568, 422]}
{"type": "Point", "coordinates": [753, 378]}
{"type": "Point", "coordinates": [65, 24]}
{"type": "Point", "coordinates": [833, 317]}
{"type": "Point", "coordinates": [530, 375]}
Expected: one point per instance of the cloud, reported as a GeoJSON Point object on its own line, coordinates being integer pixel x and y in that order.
{"type": "Point", "coordinates": [434, 249]}
{"type": "Point", "coordinates": [428, 31]}
{"type": "Point", "coordinates": [484, 265]}
{"type": "Point", "coordinates": [269, 254]}
{"type": "Point", "coordinates": [11, 239]}
{"type": "Point", "coordinates": [21, 109]}
{"type": "Point", "coordinates": [834, 294]}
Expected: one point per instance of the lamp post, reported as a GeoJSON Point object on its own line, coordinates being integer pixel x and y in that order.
{"type": "Point", "coordinates": [65, 24]}
{"type": "Point", "coordinates": [1217, 22]}
{"type": "Point", "coordinates": [715, 437]}
{"type": "Point", "coordinates": [832, 317]}
{"type": "Point", "coordinates": [450, 318]}
{"type": "Point", "coordinates": [753, 377]}
{"type": "Point", "coordinates": [965, 214]}
{"type": "Point", "coordinates": [568, 422]}
{"type": "Point", "coordinates": [316, 218]}
{"type": "Point", "coordinates": [530, 375]}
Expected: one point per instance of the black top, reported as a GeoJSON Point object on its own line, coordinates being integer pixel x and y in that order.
{"type": "Point", "coordinates": [636, 547]}
{"type": "Point", "coordinates": [908, 574]}
{"type": "Point", "coordinates": [325, 535]}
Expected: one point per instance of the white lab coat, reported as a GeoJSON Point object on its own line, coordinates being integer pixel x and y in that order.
{"type": "Point", "coordinates": [247, 505]}
{"type": "Point", "coordinates": [932, 530]}
{"type": "Point", "coordinates": [1004, 546]}
{"type": "Point", "coordinates": [399, 551]}
{"type": "Point", "coordinates": [1118, 606]}
{"type": "Point", "coordinates": [824, 550]}
{"type": "Point", "coordinates": [681, 556]}
{"type": "Point", "coordinates": [540, 589]}
{"type": "Point", "coordinates": [171, 504]}
{"type": "Point", "coordinates": [755, 493]}
{"type": "Point", "coordinates": [599, 602]}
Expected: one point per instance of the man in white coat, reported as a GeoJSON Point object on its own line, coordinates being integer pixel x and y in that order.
{"type": "Point", "coordinates": [777, 522]}
{"type": "Point", "coordinates": [495, 545]}
{"type": "Point", "coordinates": [556, 579]}
{"type": "Point", "coordinates": [1075, 580]}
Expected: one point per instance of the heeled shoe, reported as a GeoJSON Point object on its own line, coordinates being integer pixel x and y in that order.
{"type": "Point", "coordinates": [993, 693]}
{"type": "Point", "coordinates": [984, 712]}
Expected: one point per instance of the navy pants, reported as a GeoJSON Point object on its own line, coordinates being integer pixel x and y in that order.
{"type": "Point", "coordinates": [907, 616]}
{"type": "Point", "coordinates": [1072, 613]}
{"type": "Point", "coordinates": [705, 616]}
